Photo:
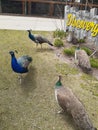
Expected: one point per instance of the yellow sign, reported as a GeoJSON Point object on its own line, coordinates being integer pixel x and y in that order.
{"type": "Point", "coordinates": [82, 24]}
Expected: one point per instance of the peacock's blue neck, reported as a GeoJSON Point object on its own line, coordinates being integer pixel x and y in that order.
{"type": "Point", "coordinates": [14, 60]}
{"type": "Point", "coordinates": [31, 36]}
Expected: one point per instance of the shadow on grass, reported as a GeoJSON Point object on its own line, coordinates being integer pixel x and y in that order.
{"type": "Point", "coordinates": [29, 82]}
{"type": "Point", "coordinates": [44, 49]}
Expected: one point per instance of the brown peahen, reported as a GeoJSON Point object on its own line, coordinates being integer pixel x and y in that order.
{"type": "Point", "coordinates": [82, 60]}
{"type": "Point", "coordinates": [72, 105]}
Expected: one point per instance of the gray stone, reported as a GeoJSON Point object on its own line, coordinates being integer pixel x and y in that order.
{"type": "Point", "coordinates": [93, 12]}
{"type": "Point", "coordinates": [86, 16]}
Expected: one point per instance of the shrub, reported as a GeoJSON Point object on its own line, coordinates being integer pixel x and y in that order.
{"type": "Point", "coordinates": [58, 43]}
{"type": "Point", "coordinates": [70, 51]}
{"type": "Point", "coordinates": [81, 41]}
{"type": "Point", "coordinates": [94, 62]}
{"type": "Point", "coordinates": [59, 33]}
{"type": "Point", "coordinates": [88, 51]}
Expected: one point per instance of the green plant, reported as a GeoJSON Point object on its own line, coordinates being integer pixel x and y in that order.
{"type": "Point", "coordinates": [81, 40]}
{"type": "Point", "coordinates": [58, 43]}
{"type": "Point", "coordinates": [94, 62]}
{"type": "Point", "coordinates": [59, 33]}
{"type": "Point", "coordinates": [88, 51]}
{"type": "Point", "coordinates": [70, 51]}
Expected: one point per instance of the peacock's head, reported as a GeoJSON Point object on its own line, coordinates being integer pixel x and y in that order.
{"type": "Point", "coordinates": [29, 30]}
{"type": "Point", "coordinates": [12, 52]}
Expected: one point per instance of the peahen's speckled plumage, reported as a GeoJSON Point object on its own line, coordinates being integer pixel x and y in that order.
{"type": "Point", "coordinates": [72, 105]}
{"type": "Point", "coordinates": [82, 60]}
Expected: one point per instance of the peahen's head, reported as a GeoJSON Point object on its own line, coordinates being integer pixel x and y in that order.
{"type": "Point", "coordinates": [78, 47]}
{"type": "Point", "coordinates": [58, 83]}
{"type": "Point", "coordinates": [60, 77]}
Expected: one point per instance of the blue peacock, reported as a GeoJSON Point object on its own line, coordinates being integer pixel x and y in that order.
{"type": "Point", "coordinates": [21, 64]}
{"type": "Point", "coordinates": [38, 39]}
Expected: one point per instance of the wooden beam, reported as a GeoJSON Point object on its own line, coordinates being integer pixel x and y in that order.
{"type": "Point", "coordinates": [59, 2]}
{"type": "Point", "coordinates": [51, 9]}
{"type": "Point", "coordinates": [23, 7]}
{"type": "Point", "coordinates": [29, 7]}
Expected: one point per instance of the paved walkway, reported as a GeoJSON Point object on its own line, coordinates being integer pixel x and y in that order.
{"type": "Point", "coordinates": [34, 23]}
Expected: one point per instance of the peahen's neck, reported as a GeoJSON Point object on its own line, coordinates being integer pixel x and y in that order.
{"type": "Point", "coordinates": [58, 84]}
{"type": "Point", "coordinates": [78, 47]}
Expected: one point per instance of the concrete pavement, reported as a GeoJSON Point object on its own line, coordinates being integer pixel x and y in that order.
{"type": "Point", "coordinates": [34, 23]}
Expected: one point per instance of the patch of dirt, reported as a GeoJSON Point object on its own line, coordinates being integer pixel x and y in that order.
{"type": "Point", "coordinates": [70, 60]}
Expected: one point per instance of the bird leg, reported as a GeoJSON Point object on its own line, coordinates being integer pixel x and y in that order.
{"type": "Point", "coordinates": [41, 46]}
{"type": "Point", "coordinates": [93, 53]}
{"type": "Point", "coordinates": [36, 45]}
{"type": "Point", "coordinates": [60, 112]}
{"type": "Point", "coordinates": [20, 78]}
{"type": "Point", "coordinates": [76, 60]}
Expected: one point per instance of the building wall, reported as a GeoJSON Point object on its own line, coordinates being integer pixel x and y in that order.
{"type": "Point", "coordinates": [11, 7]}
{"type": "Point", "coordinates": [37, 8]}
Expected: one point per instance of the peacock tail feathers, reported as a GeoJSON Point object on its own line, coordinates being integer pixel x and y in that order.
{"type": "Point", "coordinates": [38, 38]}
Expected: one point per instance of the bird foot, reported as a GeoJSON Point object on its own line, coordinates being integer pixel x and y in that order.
{"type": "Point", "coordinates": [60, 112]}
{"type": "Point", "coordinates": [20, 79]}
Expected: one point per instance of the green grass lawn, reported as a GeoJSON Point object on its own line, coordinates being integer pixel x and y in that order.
{"type": "Point", "coordinates": [32, 105]}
